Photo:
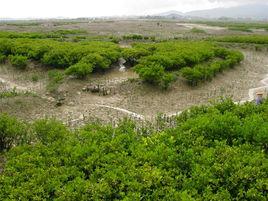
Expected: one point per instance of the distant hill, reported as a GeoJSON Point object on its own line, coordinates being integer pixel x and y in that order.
{"type": "Point", "coordinates": [173, 14]}
{"type": "Point", "coordinates": [253, 11]}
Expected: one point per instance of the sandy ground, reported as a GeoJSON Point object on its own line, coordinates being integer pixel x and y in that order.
{"type": "Point", "coordinates": [129, 96]}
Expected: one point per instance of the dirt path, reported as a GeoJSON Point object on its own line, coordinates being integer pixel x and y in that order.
{"type": "Point", "coordinates": [131, 114]}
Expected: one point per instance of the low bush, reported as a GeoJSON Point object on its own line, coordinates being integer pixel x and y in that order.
{"type": "Point", "coordinates": [12, 132]}
{"type": "Point", "coordinates": [196, 61]}
{"type": "Point", "coordinates": [155, 74]}
{"type": "Point", "coordinates": [101, 55]}
{"type": "Point", "coordinates": [80, 70]}
{"type": "Point", "coordinates": [133, 37]}
{"type": "Point", "coordinates": [97, 61]}
{"type": "Point", "coordinates": [198, 31]}
{"type": "Point", "coordinates": [55, 77]}
{"type": "Point", "coordinates": [193, 76]}
{"type": "Point", "coordinates": [216, 152]}
{"type": "Point", "coordinates": [18, 61]}
{"type": "Point", "coordinates": [48, 131]}
{"type": "Point", "coordinates": [198, 73]}
{"type": "Point", "coordinates": [254, 39]}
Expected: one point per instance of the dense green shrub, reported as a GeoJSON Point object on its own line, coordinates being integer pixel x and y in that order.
{"type": "Point", "coordinates": [193, 76]}
{"type": "Point", "coordinates": [5, 47]}
{"type": "Point", "coordinates": [96, 60]}
{"type": "Point", "coordinates": [133, 37]}
{"type": "Point", "coordinates": [57, 57]}
{"type": "Point", "coordinates": [12, 132]}
{"type": "Point", "coordinates": [132, 55]}
{"type": "Point", "coordinates": [80, 70]}
{"type": "Point", "coordinates": [216, 152]}
{"type": "Point", "coordinates": [235, 24]}
{"type": "Point", "coordinates": [255, 39]}
{"type": "Point", "coordinates": [18, 61]}
{"type": "Point", "coordinates": [198, 31]}
{"type": "Point", "coordinates": [58, 34]}
{"type": "Point", "coordinates": [155, 74]}
{"type": "Point", "coordinates": [152, 73]}
{"type": "Point", "coordinates": [196, 61]}
{"type": "Point", "coordinates": [243, 29]}
{"type": "Point", "coordinates": [63, 54]}
{"type": "Point", "coordinates": [206, 72]}
{"type": "Point", "coordinates": [138, 37]}
{"type": "Point", "coordinates": [50, 131]}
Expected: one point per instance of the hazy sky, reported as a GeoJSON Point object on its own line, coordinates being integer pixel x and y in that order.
{"type": "Point", "coordinates": [89, 8]}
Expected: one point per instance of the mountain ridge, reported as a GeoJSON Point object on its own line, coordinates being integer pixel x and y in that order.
{"type": "Point", "coordinates": [254, 11]}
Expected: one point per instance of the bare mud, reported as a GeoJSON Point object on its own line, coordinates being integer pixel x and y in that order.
{"type": "Point", "coordinates": [130, 97]}
{"type": "Point", "coordinates": [201, 26]}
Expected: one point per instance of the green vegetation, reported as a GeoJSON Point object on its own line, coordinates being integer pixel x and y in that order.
{"type": "Point", "coordinates": [244, 29]}
{"type": "Point", "coordinates": [2, 59]}
{"type": "Point", "coordinates": [58, 34]}
{"type": "Point", "coordinates": [205, 72]}
{"type": "Point", "coordinates": [138, 37]}
{"type": "Point", "coordinates": [55, 77]}
{"type": "Point", "coordinates": [18, 61]}
{"type": "Point", "coordinates": [236, 25]}
{"type": "Point", "coordinates": [100, 55]}
{"type": "Point", "coordinates": [12, 132]}
{"type": "Point", "coordinates": [23, 24]}
{"type": "Point", "coordinates": [198, 31]}
{"type": "Point", "coordinates": [35, 78]}
{"type": "Point", "coordinates": [254, 39]}
{"type": "Point", "coordinates": [156, 63]}
{"type": "Point", "coordinates": [14, 93]}
{"type": "Point", "coordinates": [8, 94]}
{"type": "Point", "coordinates": [80, 70]}
{"type": "Point", "coordinates": [159, 63]}
{"type": "Point", "coordinates": [155, 74]}
{"type": "Point", "coordinates": [214, 152]}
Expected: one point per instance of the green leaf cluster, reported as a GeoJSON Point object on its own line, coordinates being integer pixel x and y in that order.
{"type": "Point", "coordinates": [216, 152]}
